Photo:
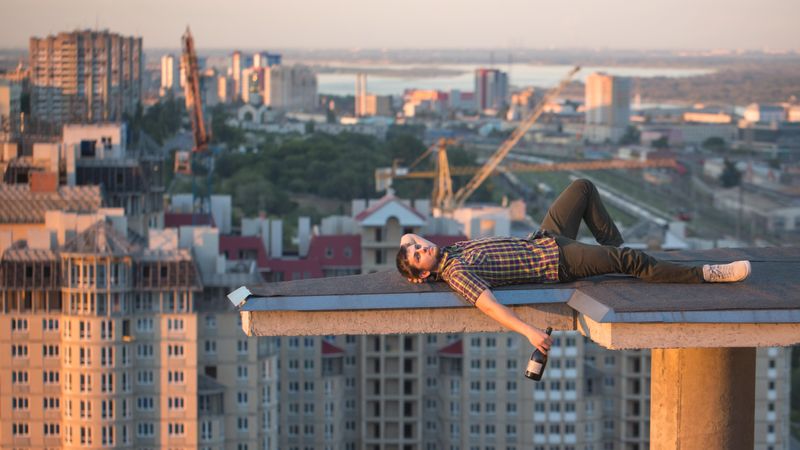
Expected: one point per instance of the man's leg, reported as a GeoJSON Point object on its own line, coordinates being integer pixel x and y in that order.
{"type": "Point", "coordinates": [578, 260]}
{"type": "Point", "coordinates": [581, 201]}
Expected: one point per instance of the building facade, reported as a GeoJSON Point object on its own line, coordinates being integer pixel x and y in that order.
{"type": "Point", "coordinates": [85, 76]}
{"type": "Point", "coordinates": [171, 82]}
{"type": "Point", "coordinates": [491, 89]}
{"type": "Point", "coordinates": [607, 106]}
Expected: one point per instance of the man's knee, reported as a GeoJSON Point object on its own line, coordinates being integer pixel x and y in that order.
{"type": "Point", "coordinates": [583, 184]}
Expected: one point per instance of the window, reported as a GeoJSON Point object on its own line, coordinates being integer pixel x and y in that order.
{"type": "Point", "coordinates": [175, 377]}
{"type": "Point", "coordinates": [107, 382]}
{"type": "Point", "coordinates": [107, 409]}
{"type": "Point", "coordinates": [19, 325]}
{"type": "Point", "coordinates": [174, 324]}
{"type": "Point", "coordinates": [144, 377]}
{"type": "Point", "coordinates": [175, 350]}
{"type": "Point", "coordinates": [50, 324]}
{"type": "Point", "coordinates": [175, 403]}
{"type": "Point", "coordinates": [206, 430]}
{"type": "Point", "coordinates": [107, 356]}
{"type": "Point", "coordinates": [50, 351]}
{"type": "Point", "coordinates": [107, 435]}
{"type": "Point", "coordinates": [145, 429]}
{"type": "Point", "coordinates": [19, 403]}
{"type": "Point", "coordinates": [19, 351]}
{"type": "Point", "coordinates": [85, 383]}
{"type": "Point", "coordinates": [145, 403]}
{"type": "Point", "coordinates": [511, 408]}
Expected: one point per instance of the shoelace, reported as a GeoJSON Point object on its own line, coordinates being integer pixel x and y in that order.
{"type": "Point", "coordinates": [717, 271]}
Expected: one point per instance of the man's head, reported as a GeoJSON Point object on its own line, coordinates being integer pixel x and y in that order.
{"type": "Point", "coordinates": [417, 261]}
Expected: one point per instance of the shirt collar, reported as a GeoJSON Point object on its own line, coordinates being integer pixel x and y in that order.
{"type": "Point", "coordinates": [447, 252]}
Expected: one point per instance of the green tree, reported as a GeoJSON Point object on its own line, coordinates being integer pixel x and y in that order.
{"type": "Point", "coordinates": [714, 143]}
{"type": "Point", "coordinates": [730, 176]}
{"type": "Point", "coordinates": [661, 143]}
{"type": "Point", "coordinates": [631, 136]}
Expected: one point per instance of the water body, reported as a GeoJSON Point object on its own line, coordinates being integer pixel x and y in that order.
{"type": "Point", "coordinates": [462, 76]}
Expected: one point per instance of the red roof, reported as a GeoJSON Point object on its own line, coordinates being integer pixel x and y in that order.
{"type": "Point", "coordinates": [383, 202]}
{"type": "Point", "coordinates": [454, 349]}
{"type": "Point", "coordinates": [329, 349]}
{"type": "Point", "coordinates": [237, 247]}
{"type": "Point", "coordinates": [324, 252]}
{"type": "Point", "coordinates": [342, 250]}
{"type": "Point", "coordinates": [175, 220]}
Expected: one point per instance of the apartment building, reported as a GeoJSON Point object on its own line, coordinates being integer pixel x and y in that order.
{"type": "Point", "coordinates": [85, 76]}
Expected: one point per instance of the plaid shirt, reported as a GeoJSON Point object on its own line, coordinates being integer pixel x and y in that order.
{"type": "Point", "coordinates": [471, 267]}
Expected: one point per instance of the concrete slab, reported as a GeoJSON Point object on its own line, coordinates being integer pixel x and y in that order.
{"type": "Point", "coordinates": [614, 311]}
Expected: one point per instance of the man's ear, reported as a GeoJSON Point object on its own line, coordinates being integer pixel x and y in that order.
{"type": "Point", "coordinates": [424, 274]}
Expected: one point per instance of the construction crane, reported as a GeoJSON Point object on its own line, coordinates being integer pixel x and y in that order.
{"type": "Point", "coordinates": [442, 174]}
{"type": "Point", "coordinates": [185, 161]}
{"type": "Point", "coordinates": [491, 164]}
{"type": "Point", "coordinates": [443, 198]}
{"type": "Point", "coordinates": [194, 106]}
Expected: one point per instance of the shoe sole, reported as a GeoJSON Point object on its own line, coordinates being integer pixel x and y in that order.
{"type": "Point", "coordinates": [747, 274]}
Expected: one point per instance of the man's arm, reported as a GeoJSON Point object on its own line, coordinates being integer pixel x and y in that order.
{"type": "Point", "coordinates": [412, 238]}
{"type": "Point", "coordinates": [489, 305]}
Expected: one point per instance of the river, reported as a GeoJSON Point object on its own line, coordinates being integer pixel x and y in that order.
{"type": "Point", "coordinates": [393, 79]}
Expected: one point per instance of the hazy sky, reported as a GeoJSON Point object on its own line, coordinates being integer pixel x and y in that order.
{"type": "Point", "coordinates": [613, 24]}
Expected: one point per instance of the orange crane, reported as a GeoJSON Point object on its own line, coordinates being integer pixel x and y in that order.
{"type": "Point", "coordinates": [194, 105]}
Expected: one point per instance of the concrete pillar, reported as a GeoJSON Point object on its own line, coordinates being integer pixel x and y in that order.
{"type": "Point", "coordinates": [702, 398]}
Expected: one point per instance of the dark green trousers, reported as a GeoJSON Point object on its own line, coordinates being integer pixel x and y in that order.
{"type": "Point", "coordinates": [580, 201]}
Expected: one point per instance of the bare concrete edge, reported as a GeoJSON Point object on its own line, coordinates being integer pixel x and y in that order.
{"type": "Point", "coordinates": [239, 295]}
{"type": "Point", "coordinates": [398, 321]}
{"type": "Point", "coordinates": [618, 336]}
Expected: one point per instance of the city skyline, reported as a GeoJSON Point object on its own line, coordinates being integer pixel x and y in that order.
{"type": "Point", "coordinates": [358, 24]}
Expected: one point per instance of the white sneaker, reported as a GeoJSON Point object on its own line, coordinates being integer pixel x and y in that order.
{"type": "Point", "coordinates": [726, 273]}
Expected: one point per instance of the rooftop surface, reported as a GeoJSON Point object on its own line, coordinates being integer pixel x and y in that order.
{"type": "Point", "coordinates": [771, 294]}
{"type": "Point", "coordinates": [602, 306]}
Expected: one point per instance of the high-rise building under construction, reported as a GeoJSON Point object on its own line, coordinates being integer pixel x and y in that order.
{"type": "Point", "coordinates": [85, 77]}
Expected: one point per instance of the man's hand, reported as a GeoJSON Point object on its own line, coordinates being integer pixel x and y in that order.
{"type": "Point", "coordinates": [540, 340]}
{"type": "Point", "coordinates": [488, 304]}
{"type": "Point", "coordinates": [417, 280]}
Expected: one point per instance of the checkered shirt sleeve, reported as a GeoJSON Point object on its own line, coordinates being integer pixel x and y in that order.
{"type": "Point", "coordinates": [464, 282]}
